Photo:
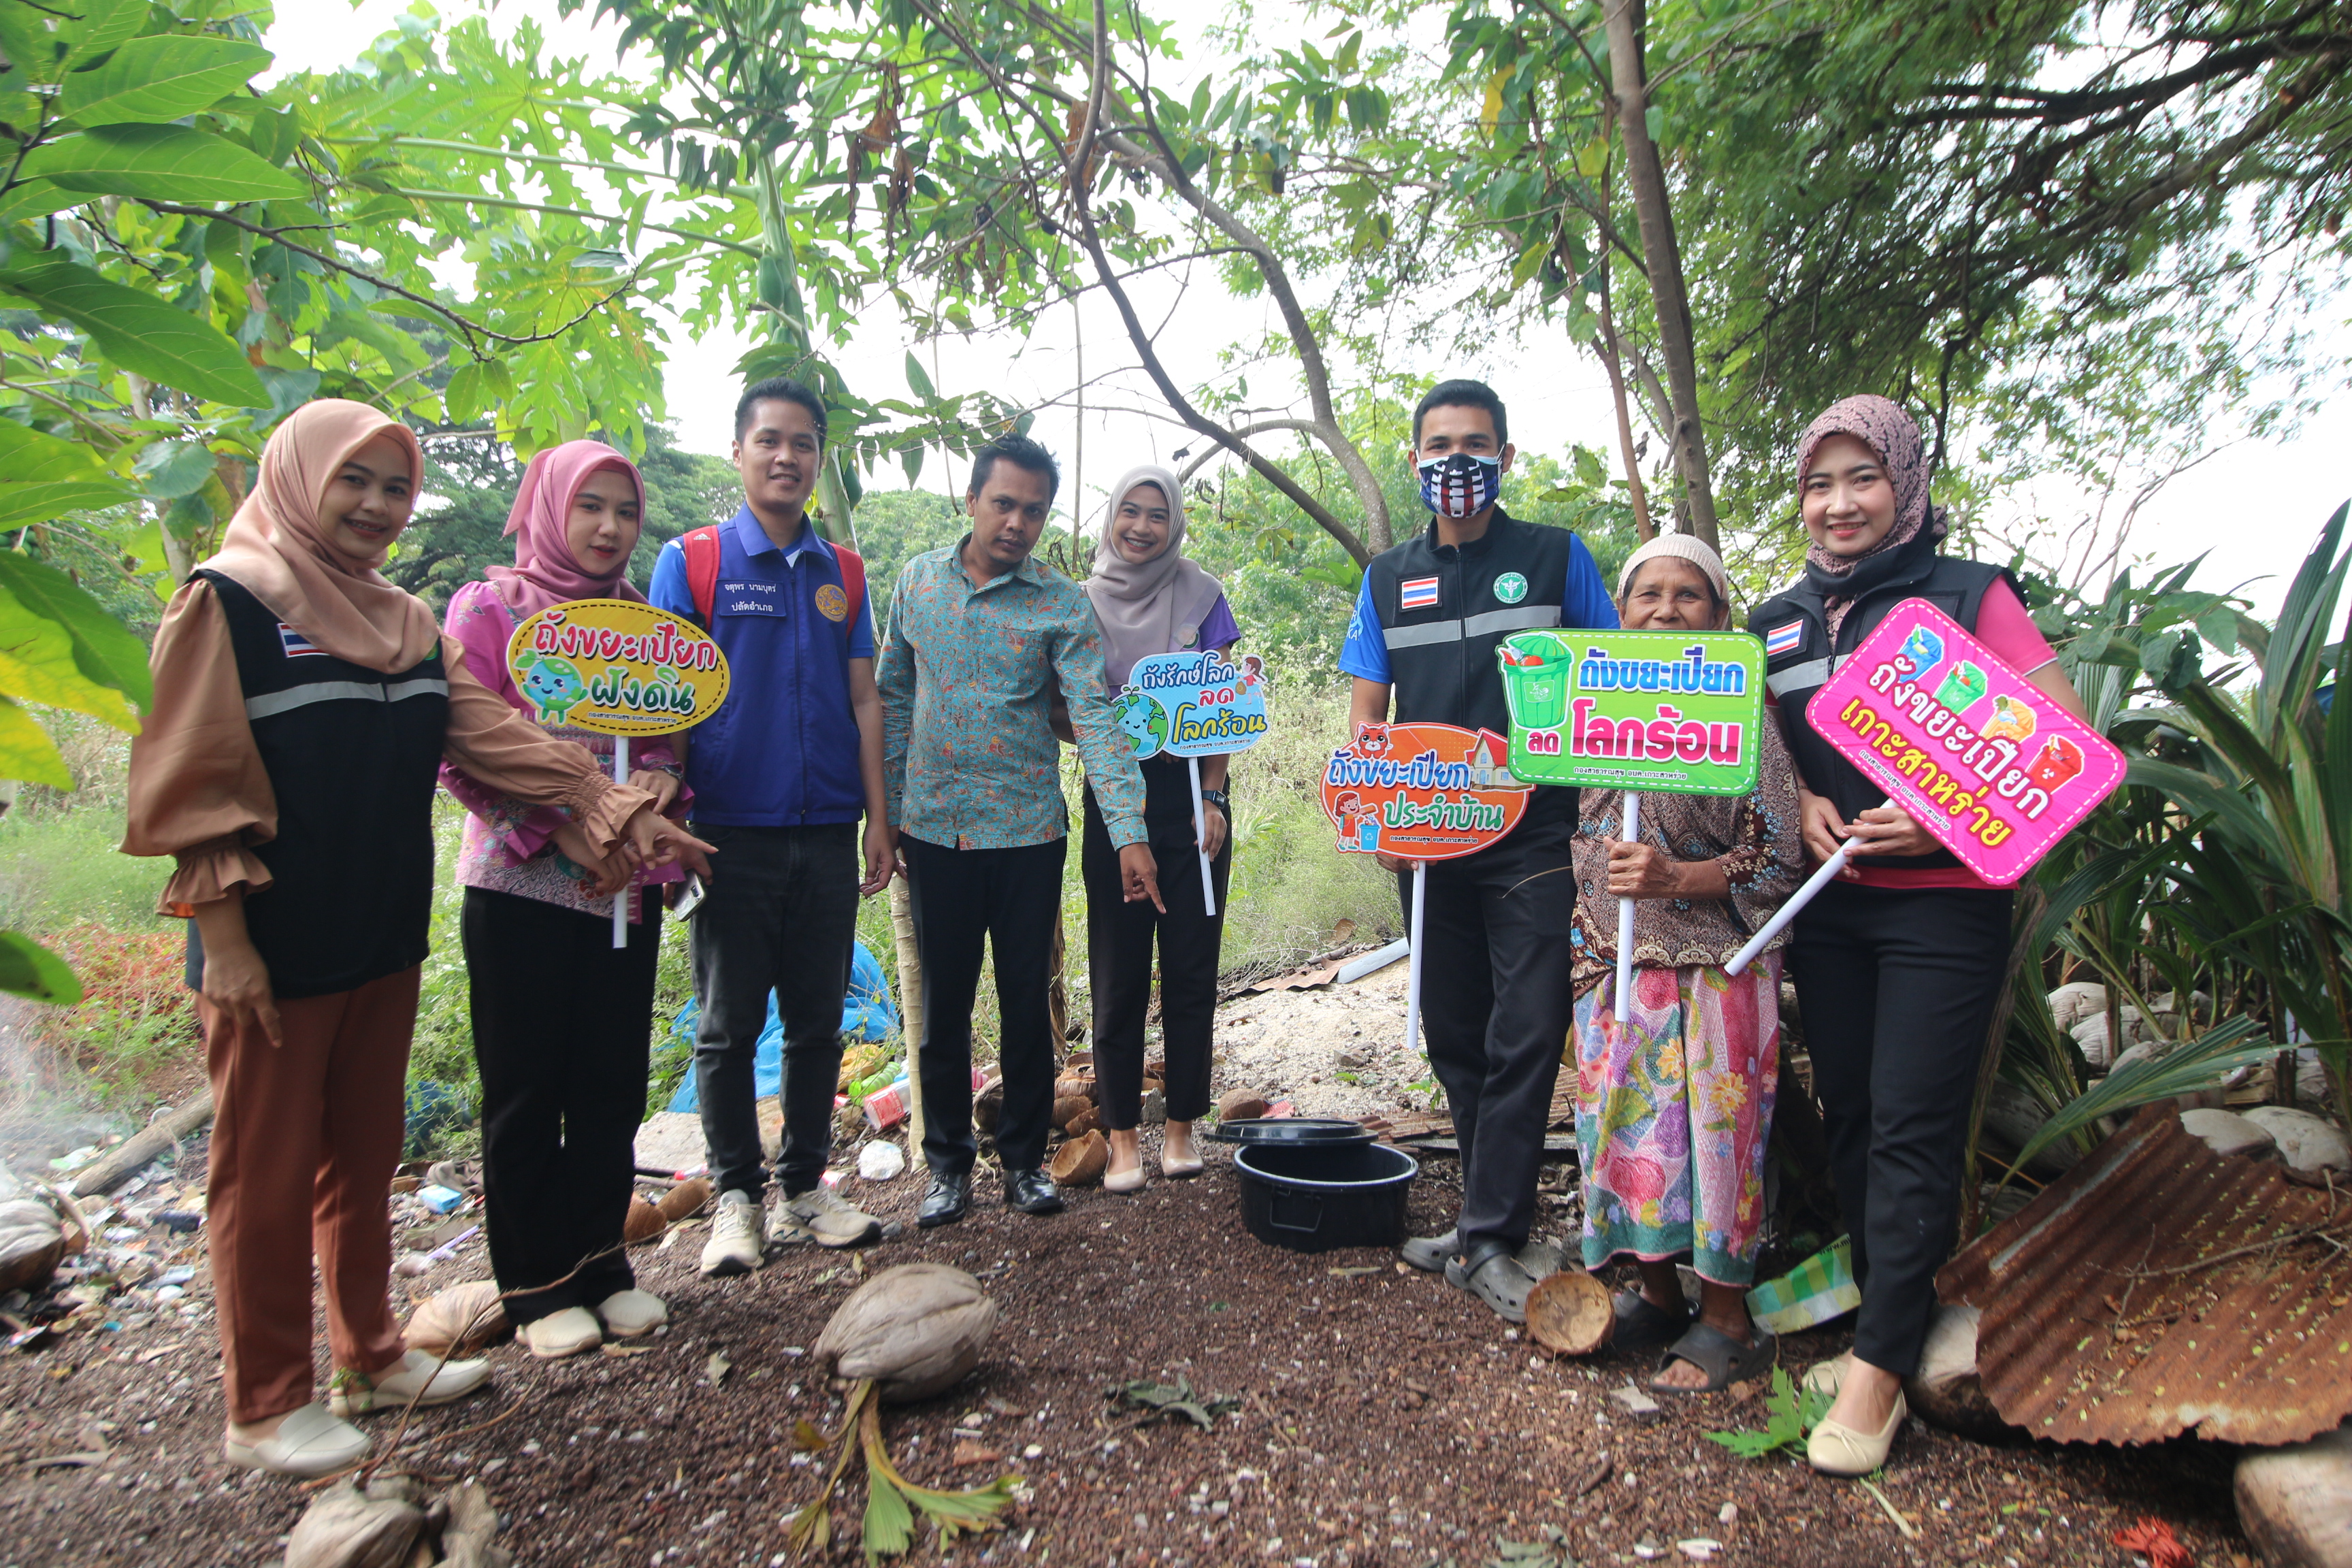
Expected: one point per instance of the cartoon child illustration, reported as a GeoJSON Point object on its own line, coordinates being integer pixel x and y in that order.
{"type": "Point", "coordinates": [555, 687]}
{"type": "Point", "coordinates": [2011, 720]}
{"type": "Point", "coordinates": [1143, 721]}
{"type": "Point", "coordinates": [1253, 672]}
{"type": "Point", "coordinates": [1359, 829]}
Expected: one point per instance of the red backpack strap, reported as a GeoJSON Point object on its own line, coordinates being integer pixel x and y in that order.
{"type": "Point", "coordinates": [853, 584]}
{"type": "Point", "coordinates": [701, 548]}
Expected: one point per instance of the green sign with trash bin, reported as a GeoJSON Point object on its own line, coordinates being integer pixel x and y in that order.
{"type": "Point", "coordinates": [1676, 712]}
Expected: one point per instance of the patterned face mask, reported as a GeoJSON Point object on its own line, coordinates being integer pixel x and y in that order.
{"type": "Point", "coordinates": [1460, 484]}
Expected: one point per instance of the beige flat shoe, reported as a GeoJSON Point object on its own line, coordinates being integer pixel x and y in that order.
{"type": "Point", "coordinates": [1837, 1449]}
{"type": "Point", "coordinates": [1827, 1377]}
{"type": "Point", "coordinates": [632, 1314]}
{"type": "Point", "coordinates": [1124, 1181]}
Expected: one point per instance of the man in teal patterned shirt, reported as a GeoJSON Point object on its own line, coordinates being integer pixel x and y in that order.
{"type": "Point", "coordinates": [982, 638]}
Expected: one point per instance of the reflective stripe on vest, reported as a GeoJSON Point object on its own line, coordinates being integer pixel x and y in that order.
{"type": "Point", "coordinates": [286, 702]}
{"type": "Point", "coordinates": [1800, 676]}
{"type": "Point", "coordinates": [1521, 619]}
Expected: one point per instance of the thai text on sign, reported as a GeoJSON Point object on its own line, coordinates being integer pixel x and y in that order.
{"type": "Point", "coordinates": [616, 667]}
{"type": "Point", "coordinates": [1193, 705]}
{"type": "Point", "coordinates": [1425, 792]}
{"type": "Point", "coordinates": [1979, 755]}
{"type": "Point", "coordinates": [1672, 712]}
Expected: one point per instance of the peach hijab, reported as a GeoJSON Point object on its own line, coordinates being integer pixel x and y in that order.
{"type": "Point", "coordinates": [274, 547]}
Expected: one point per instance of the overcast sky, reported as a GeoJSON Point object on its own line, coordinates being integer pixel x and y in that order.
{"type": "Point", "coordinates": [2256, 506]}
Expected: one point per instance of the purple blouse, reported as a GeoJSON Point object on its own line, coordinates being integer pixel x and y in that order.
{"type": "Point", "coordinates": [508, 845]}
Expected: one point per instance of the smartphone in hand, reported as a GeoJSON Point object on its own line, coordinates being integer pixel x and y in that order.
{"type": "Point", "coordinates": [690, 899]}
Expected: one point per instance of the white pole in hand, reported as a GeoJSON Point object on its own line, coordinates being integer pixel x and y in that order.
{"type": "Point", "coordinates": [1626, 918]}
{"type": "Point", "coordinates": [1788, 911]}
{"type": "Point", "coordinates": [1412, 983]}
{"type": "Point", "coordinates": [1201, 836]}
{"type": "Point", "coordinates": [621, 899]}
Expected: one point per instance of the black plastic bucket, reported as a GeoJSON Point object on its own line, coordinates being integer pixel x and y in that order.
{"type": "Point", "coordinates": [1313, 1199]}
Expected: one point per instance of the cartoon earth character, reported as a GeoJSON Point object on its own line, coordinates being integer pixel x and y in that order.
{"type": "Point", "coordinates": [1143, 721]}
{"type": "Point", "coordinates": [555, 687]}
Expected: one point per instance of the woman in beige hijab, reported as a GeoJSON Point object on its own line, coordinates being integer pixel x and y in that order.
{"type": "Point", "coordinates": [303, 706]}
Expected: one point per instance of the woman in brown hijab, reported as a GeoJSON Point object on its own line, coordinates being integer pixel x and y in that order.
{"type": "Point", "coordinates": [303, 706]}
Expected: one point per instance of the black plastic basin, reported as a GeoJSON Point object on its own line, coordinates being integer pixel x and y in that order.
{"type": "Point", "coordinates": [1313, 1199]}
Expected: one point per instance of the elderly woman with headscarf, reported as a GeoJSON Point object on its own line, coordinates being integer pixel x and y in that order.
{"type": "Point", "coordinates": [1151, 600]}
{"type": "Point", "coordinates": [303, 706]}
{"type": "Point", "coordinates": [1899, 964]}
{"type": "Point", "coordinates": [1674, 1085]}
{"type": "Point", "coordinates": [563, 1064]}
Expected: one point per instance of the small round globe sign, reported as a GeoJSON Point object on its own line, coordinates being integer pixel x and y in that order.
{"type": "Point", "coordinates": [616, 667]}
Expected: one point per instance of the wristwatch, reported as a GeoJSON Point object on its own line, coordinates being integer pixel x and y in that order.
{"type": "Point", "coordinates": [1216, 798]}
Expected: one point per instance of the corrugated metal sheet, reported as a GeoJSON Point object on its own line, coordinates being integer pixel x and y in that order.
{"type": "Point", "coordinates": [2122, 1306]}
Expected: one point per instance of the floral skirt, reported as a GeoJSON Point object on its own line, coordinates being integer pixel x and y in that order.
{"type": "Point", "coordinates": [1673, 1112]}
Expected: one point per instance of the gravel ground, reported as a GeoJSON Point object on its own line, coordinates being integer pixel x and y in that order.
{"type": "Point", "coordinates": [1386, 1420]}
{"type": "Point", "coordinates": [1295, 1044]}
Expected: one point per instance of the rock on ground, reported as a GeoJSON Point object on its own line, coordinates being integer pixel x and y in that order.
{"type": "Point", "coordinates": [2226, 1132]}
{"type": "Point", "coordinates": [2295, 1503]}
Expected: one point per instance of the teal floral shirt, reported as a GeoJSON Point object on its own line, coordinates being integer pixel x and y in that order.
{"type": "Point", "coordinates": [967, 676]}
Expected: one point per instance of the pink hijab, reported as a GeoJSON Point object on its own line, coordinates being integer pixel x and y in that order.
{"type": "Point", "coordinates": [274, 548]}
{"type": "Point", "coordinates": [544, 572]}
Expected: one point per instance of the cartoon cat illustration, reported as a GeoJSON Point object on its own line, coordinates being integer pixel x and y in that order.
{"type": "Point", "coordinates": [1372, 740]}
{"type": "Point", "coordinates": [555, 687]}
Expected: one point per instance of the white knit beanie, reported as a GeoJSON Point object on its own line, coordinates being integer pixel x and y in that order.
{"type": "Point", "coordinates": [1683, 547]}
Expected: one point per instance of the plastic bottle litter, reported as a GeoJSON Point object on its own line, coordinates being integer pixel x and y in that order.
{"type": "Point", "coordinates": [880, 1161]}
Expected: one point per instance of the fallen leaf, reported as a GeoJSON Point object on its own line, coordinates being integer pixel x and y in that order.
{"type": "Point", "coordinates": [968, 1452]}
{"type": "Point", "coordinates": [609, 1348]}
{"type": "Point", "coordinates": [2153, 1538]}
{"type": "Point", "coordinates": [715, 1369]}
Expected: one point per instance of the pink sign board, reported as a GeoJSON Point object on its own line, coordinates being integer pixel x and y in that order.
{"type": "Point", "coordinates": [1979, 755]}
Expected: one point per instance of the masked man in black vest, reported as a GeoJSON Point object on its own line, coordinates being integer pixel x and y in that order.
{"type": "Point", "coordinates": [1495, 1003]}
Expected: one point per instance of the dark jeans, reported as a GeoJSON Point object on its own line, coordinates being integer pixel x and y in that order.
{"type": "Point", "coordinates": [1495, 1008]}
{"type": "Point", "coordinates": [782, 915]}
{"type": "Point", "coordinates": [1118, 952]}
{"type": "Point", "coordinates": [561, 1024]}
{"type": "Point", "coordinates": [1898, 988]}
{"type": "Point", "coordinates": [1006, 898]}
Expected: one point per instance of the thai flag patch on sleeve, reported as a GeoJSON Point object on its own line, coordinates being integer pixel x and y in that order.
{"type": "Point", "coordinates": [1784, 639]}
{"type": "Point", "coordinates": [296, 644]}
{"type": "Point", "coordinates": [1417, 594]}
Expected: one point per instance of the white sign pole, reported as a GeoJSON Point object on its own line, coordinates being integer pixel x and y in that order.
{"type": "Point", "coordinates": [1412, 983]}
{"type": "Point", "coordinates": [1788, 911]}
{"type": "Point", "coordinates": [1626, 918]}
{"type": "Point", "coordinates": [621, 899]}
{"type": "Point", "coordinates": [1200, 838]}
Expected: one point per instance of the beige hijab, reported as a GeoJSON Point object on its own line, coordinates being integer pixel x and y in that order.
{"type": "Point", "coordinates": [1145, 607]}
{"type": "Point", "coordinates": [275, 549]}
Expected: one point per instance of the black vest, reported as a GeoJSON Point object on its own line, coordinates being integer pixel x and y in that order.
{"type": "Point", "coordinates": [1442, 666]}
{"type": "Point", "coordinates": [353, 757]}
{"type": "Point", "coordinates": [1799, 669]}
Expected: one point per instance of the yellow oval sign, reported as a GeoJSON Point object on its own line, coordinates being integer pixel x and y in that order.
{"type": "Point", "coordinates": [616, 667]}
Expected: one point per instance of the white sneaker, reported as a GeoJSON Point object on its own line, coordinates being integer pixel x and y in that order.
{"type": "Point", "coordinates": [821, 1215]}
{"type": "Point", "coordinates": [563, 1333]}
{"type": "Point", "coordinates": [308, 1442]}
{"type": "Point", "coordinates": [391, 1389]}
{"type": "Point", "coordinates": [632, 1314]}
{"type": "Point", "coordinates": [734, 1245]}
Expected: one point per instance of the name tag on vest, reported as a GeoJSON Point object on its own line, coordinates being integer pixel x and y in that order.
{"type": "Point", "coordinates": [748, 598]}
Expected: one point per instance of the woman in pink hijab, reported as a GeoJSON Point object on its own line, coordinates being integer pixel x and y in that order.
{"type": "Point", "coordinates": [561, 1019]}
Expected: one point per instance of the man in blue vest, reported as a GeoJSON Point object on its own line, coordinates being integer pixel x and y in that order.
{"type": "Point", "coordinates": [1496, 1004]}
{"type": "Point", "coordinates": [781, 775]}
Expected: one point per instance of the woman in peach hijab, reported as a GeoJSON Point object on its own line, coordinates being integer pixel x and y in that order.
{"type": "Point", "coordinates": [303, 706]}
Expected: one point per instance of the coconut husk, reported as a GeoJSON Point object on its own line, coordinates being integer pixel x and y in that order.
{"type": "Point", "coordinates": [1080, 1163]}
{"type": "Point", "coordinates": [916, 1330]}
{"type": "Point", "coordinates": [1077, 1086]}
{"type": "Point", "coordinates": [351, 1528]}
{"type": "Point", "coordinates": [684, 1200]}
{"type": "Point", "coordinates": [1569, 1313]}
{"type": "Point", "coordinates": [1068, 1111]}
{"type": "Point", "coordinates": [31, 1244]}
{"type": "Point", "coordinates": [1085, 1121]}
{"type": "Point", "coordinates": [988, 1106]}
{"type": "Point", "coordinates": [644, 1223]}
{"type": "Point", "coordinates": [472, 1310]}
{"type": "Point", "coordinates": [1241, 1105]}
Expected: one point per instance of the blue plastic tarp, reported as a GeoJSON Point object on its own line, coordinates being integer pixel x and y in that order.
{"type": "Point", "coordinates": [866, 1013]}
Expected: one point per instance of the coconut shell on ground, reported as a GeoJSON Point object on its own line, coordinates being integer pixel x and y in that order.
{"type": "Point", "coordinates": [1945, 1391]}
{"type": "Point", "coordinates": [1241, 1105]}
{"type": "Point", "coordinates": [1569, 1313]}
{"type": "Point", "coordinates": [31, 1244]}
{"type": "Point", "coordinates": [644, 1222]}
{"type": "Point", "coordinates": [1077, 1086]}
{"type": "Point", "coordinates": [2294, 1502]}
{"type": "Point", "coordinates": [1081, 1162]}
{"type": "Point", "coordinates": [1085, 1121]}
{"type": "Point", "coordinates": [1067, 1111]}
{"type": "Point", "coordinates": [459, 1321]}
{"type": "Point", "coordinates": [915, 1330]}
{"type": "Point", "coordinates": [988, 1106]}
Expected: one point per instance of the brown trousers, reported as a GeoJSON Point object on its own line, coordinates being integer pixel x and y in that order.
{"type": "Point", "coordinates": [306, 1138]}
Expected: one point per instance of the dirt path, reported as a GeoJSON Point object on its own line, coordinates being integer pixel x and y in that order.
{"type": "Point", "coordinates": [1386, 1420]}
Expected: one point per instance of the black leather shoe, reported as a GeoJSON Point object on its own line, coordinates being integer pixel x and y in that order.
{"type": "Point", "coordinates": [1032, 1192]}
{"type": "Point", "coordinates": [948, 1201]}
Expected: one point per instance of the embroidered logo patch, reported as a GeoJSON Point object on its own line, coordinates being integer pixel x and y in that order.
{"type": "Point", "coordinates": [1784, 639]}
{"type": "Point", "coordinates": [1510, 588]}
{"type": "Point", "coordinates": [1417, 594]}
{"type": "Point", "coordinates": [830, 604]}
{"type": "Point", "coordinates": [296, 644]}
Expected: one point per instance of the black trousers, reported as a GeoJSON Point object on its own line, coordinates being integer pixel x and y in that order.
{"type": "Point", "coordinates": [782, 915]}
{"type": "Point", "coordinates": [1005, 898]}
{"type": "Point", "coordinates": [1898, 988]}
{"type": "Point", "coordinates": [1120, 937]}
{"type": "Point", "coordinates": [562, 1026]}
{"type": "Point", "coordinates": [1495, 1008]}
